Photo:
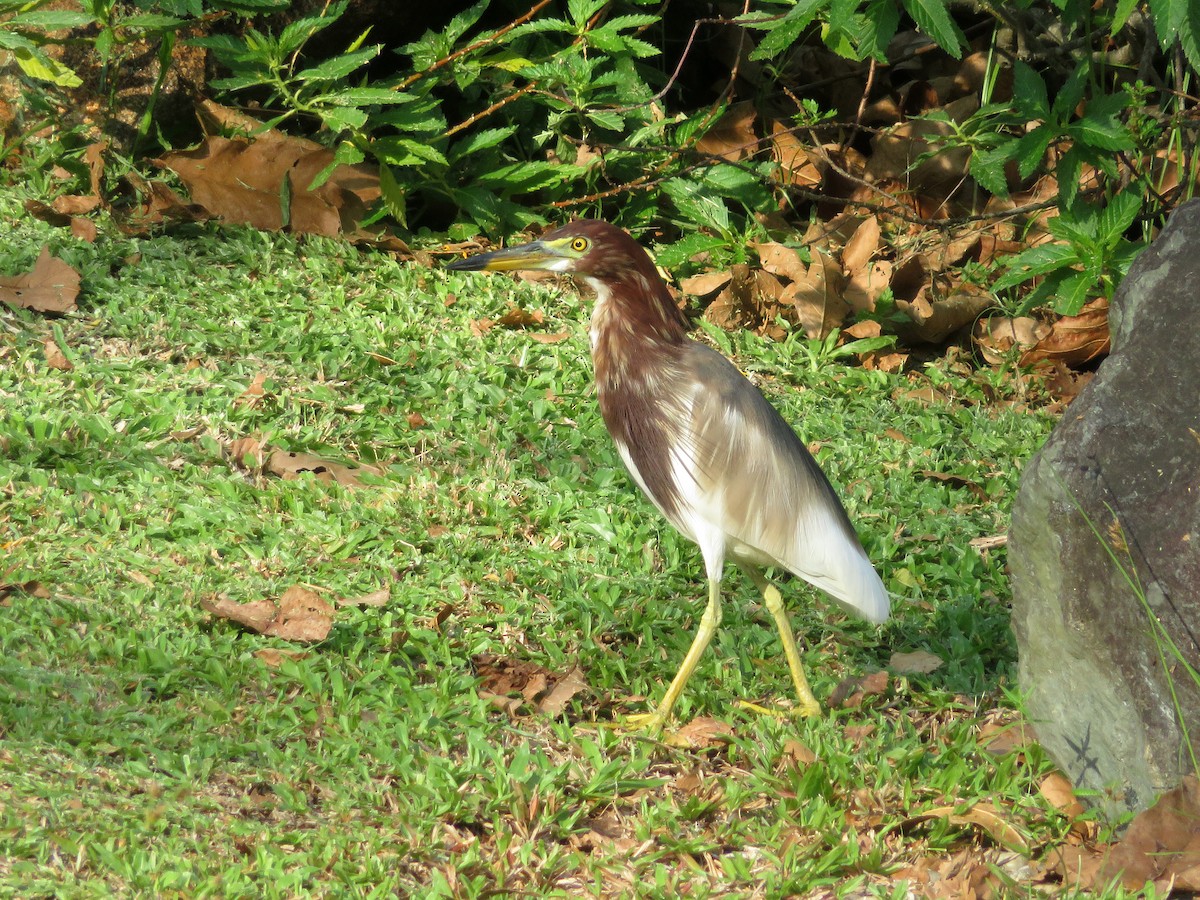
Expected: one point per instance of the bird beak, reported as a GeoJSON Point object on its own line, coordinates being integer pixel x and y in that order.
{"type": "Point", "coordinates": [537, 255]}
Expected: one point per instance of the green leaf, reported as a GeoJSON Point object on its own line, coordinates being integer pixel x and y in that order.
{"type": "Point", "coordinates": [400, 151]}
{"type": "Point", "coordinates": [480, 140]}
{"type": "Point", "coordinates": [394, 197]}
{"type": "Point", "coordinates": [987, 167]}
{"type": "Point", "coordinates": [1069, 95]}
{"type": "Point", "coordinates": [367, 96]}
{"type": "Point", "coordinates": [38, 65]}
{"type": "Point", "coordinates": [1101, 126]}
{"type": "Point", "coordinates": [340, 66]}
{"type": "Point", "coordinates": [152, 22]}
{"type": "Point", "coordinates": [48, 19]}
{"type": "Point", "coordinates": [782, 33]}
{"type": "Point", "coordinates": [672, 256]}
{"type": "Point", "coordinates": [1039, 260]}
{"type": "Point", "coordinates": [1118, 216]}
{"type": "Point", "coordinates": [1073, 291]}
{"type": "Point", "coordinates": [882, 19]}
{"type": "Point", "coordinates": [1029, 92]}
{"type": "Point", "coordinates": [933, 18]}
{"type": "Point", "coordinates": [343, 118]}
{"type": "Point", "coordinates": [1031, 149]}
{"type": "Point", "coordinates": [1070, 164]}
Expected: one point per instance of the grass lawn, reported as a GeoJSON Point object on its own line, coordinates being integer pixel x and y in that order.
{"type": "Point", "coordinates": [149, 747]}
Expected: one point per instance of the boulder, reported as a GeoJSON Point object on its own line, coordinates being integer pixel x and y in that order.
{"type": "Point", "coordinates": [1104, 548]}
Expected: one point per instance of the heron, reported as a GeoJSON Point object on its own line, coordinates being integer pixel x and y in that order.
{"type": "Point", "coordinates": [703, 444]}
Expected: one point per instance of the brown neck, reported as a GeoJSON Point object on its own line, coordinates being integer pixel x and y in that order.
{"type": "Point", "coordinates": [634, 318]}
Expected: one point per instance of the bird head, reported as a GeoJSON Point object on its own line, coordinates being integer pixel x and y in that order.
{"type": "Point", "coordinates": [586, 247]}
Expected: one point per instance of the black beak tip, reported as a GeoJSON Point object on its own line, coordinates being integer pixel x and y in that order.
{"type": "Point", "coordinates": [468, 264]}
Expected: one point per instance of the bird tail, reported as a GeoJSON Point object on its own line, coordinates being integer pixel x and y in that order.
{"type": "Point", "coordinates": [855, 586]}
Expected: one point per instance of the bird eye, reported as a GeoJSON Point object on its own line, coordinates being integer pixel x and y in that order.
{"type": "Point", "coordinates": [579, 244]}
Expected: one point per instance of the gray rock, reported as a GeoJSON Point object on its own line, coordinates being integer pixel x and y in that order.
{"type": "Point", "coordinates": [1105, 674]}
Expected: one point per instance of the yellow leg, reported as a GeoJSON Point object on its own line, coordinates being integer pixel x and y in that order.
{"type": "Point", "coordinates": [808, 703]}
{"type": "Point", "coordinates": [708, 627]}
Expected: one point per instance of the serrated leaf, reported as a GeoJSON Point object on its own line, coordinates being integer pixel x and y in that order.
{"type": "Point", "coordinates": [882, 19]}
{"type": "Point", "coordinates": [782, 33]}
{"type": "Point", "coordinates": [481, 140]}
{"type": "Point", "coordinates": [672, 256]}
{"type": "Point", "coordinates": [1029, 92]}
{"type": "Point", "coordinates": [38, 65]}
{"type": "Point", "coordinates": [933, 18]}
{"type": "Point", "coordinates": [49, 19]}
{"type": "Point", "coordinates": [987, 168]}
{"type": "Point", "coordinates": [1118, 216]}
{"type": "Point", "coordinates": [1040, 260]}
{"type": "Point", "coordinates": [1073, 291]}
{"type": "Point", "coordinates": [340, 66]}
{"type": "Point", "coordinates": [343, 118]}
{"type": "Point", "coordinates": [1070, 94]}
{"type": "Point", "coordinates": [1031, 149]}
{"type": "Point", "coordinates": [152, 22]}
{"type": "Point", "coordinates": [393, 195]}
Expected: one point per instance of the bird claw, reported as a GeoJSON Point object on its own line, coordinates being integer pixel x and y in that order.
{"type": "Point", "coordinates": [806, 710]}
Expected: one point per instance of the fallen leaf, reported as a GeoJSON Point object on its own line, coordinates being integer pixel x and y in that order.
{"type": "Point", "coordinates": [1060, 793]}
{"type": "Point", "coordinates": [997, 337]}
{"type": "Point", "coordinates": [700, 733]}
{"type": "Point", "coordinates": [51, 286]}
{"type": "Point", "coordinates": [985, 816]}
{"type": "Point", "coordinates": [274, 657]}
{"type": "Point", "coordinates": [55, 358]}
{"type": "Point", "coordinates": [1074, 340]}
{"type": "Point", "coordinates": [732, 136]}
{"type": "Point", "coordinates": [799, 752]}
{"type": "Point", "coordinates": [375, 598]}
{"type": "Point", "coordinates": [553, 338]}
{"type": "Point", "coordinates": [956, 481]}
{"type": "Point", "coordinates": [817, 297]}
{"type": "Point", "coordinates": [919, 662]}
{"type": "Point", "coordinates": [706, 284]}
{"type": "Point", "coordinates": [861, 247]}
{"type": "Point", "coordinates": [290, 465]}
{"type": "Point", "coordinates": [253, 393]}
{"type": "Point", "coordinates": [300, 615]}
{"type": "Point", "coordinates": [798, 164]}
{"type": "Point", "coordinates": [245, 182]}
{"type": "Point", "coordinates": [564, 689]}
{"type": "Point", "coordinates": [248, 453]}
{"type": "Point", "coordinates": [516, 317]}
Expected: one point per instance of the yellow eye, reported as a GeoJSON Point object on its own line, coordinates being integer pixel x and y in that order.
{"type": "Point", "coordinates": [580, 244]}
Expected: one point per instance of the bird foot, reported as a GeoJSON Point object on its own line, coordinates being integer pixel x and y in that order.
{"type": "Point", "coordinates": [806, 710]}
{"type": "Point", "coordinates": [651, 722]}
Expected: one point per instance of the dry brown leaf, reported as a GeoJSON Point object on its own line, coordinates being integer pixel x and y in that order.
{"type": "Point", "coordinates": [1060, 793]}
{"type": "Point", "coordinates": [375, 598]}
{"type": "Point", "coordinates": [253, 393]}
{"type": "Point", "coordinates": [1074, 340]}
{"type": "Point", "coordinates": [290, 465]}
{"type": "Point", "coordinates": [243, 181]}
{"type": "Point", "coordinates": [516, 317]}
{"type": "Point", "coordinates": [936, 318]}
{"type": "Point", "coordinates": [274, 657]}
{"type": "Point", "coordinates": [700, 733]}
{"type": "Point", "coordinates": [781, 260]}
{"type": "Point", "coordinates": [706, 284]}
{"type": "Point", "coordinates": [862, 246]}
{"type": "Point", "coordinates": [564, 689]}
{"type": "Point", "coordinates": [799, 752]}
{"type": "Point", "coordinates": [997, 336]}
{"type": "Point", "coordinates": [798, 165]}
{"type": "Point", "coordinates": [300, 615]}
{"type": "Point", "coordinates": [51, 286]}
{"type": "Point", "coordinates": [556, 337]}
{"type": "Point", "coordinates": [55, 358]}
{"type": "Point", "coordinates": [956, 481]}
{"type": "Point", "coordinates": [1000, 739]}
{"type": "Point", "coordinates": [820, 306]}
{"type": "Point", "coordinates": [985, 816]}
{"type": "Point", "coordinates": [248, 453]}
{"type": "Point", "coordinates": [732, 136]}
{"type": "Point", "coordinates": [919, 662]}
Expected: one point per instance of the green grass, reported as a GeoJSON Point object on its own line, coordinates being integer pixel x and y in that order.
{"type": "Point", "coordinates": [147, 750]}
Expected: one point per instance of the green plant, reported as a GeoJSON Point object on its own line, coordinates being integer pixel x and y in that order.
{"type": "Point", "coordinates": [1088, 258]}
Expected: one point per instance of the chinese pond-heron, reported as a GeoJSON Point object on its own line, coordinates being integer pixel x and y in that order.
{"type": "Point", "coordinates": [703, 443]}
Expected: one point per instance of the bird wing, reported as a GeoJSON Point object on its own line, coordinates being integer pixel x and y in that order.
{"type": "Point", "coordinates": [754, 479]}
